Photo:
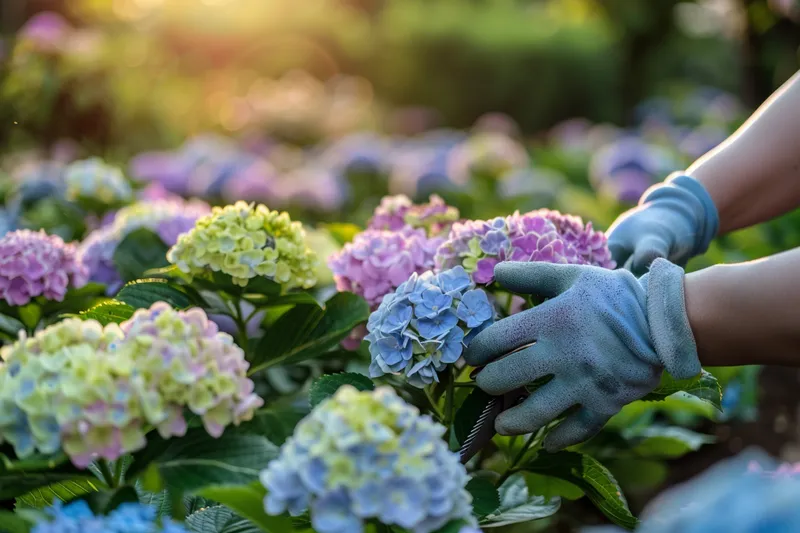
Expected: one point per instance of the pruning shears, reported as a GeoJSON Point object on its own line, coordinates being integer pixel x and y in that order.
{"type": "Point", "coordinates": [482, 430]}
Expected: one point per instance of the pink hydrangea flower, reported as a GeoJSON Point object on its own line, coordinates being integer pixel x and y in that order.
{"type": "Point", "coordinates": [394, 212]}
{"type": "Point", "coordinates": [34, 264]}
{"type": "Point", "coordinates": [591, 244]}
{"type": "Point", "coordinates": [377, 261]}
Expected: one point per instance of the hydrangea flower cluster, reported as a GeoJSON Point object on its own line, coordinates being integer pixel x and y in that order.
{"type": "Point", "coordinates": [128, 517]}
{"type": "Point", "coordinates": [543, 235]}
{"type": "Point", "coordinates": [424, 325]}
{"type": "Point", "coordinates": [167, 218]}
{"type": "Point", "coordinates": [488, 154]}
{"type": "Point", "coordinates": [95, 390]}
{"type": "Point", "coordinates": [93, 179]}
{"type": "Point", "coordinates": [378, 261]}
{"type": "Point", "coordinates": [394, 212]}
{"type": "Point", "coordinates": [244, 241]}
{"type": "Point", "coordinates": [35, 264]}
{"type": "Point", "coordinates": [368, 455]}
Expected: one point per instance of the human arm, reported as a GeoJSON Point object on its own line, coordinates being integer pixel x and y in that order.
{"type": "Point", "coordinates": [751, 177]}
{"type": "Point", "coordinates": [747, 313]}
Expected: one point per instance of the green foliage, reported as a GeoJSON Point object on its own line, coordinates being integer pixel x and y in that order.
{"type": "Point", "coordinates": [108, 312]}
{"type": "Point", "coordinates": [590, 476]}
{"type": "Point", "coordinates": [219, 519]}
{"type": "Point", "coordinates": [248, 502]}
{"type": "Point", "coordinates": [62, 490]}
{"type": "Point", "coordinates": [139, 251]}
{"type": "Point", "coordinates": [14, 523]}
{"type": "Point", "coordinates": [327, 385]}
{"type": "Point", "coordinates": [666, 442]}
{"type": "Point", "coordinates": [518, 505]}
{"type": "Point", "coordinates": [306, 331]}
{"type": "Point", "coordinates": [142, 293]}
{"type": "Point", "coordinates": [704, 386]}
{"type": "Point", "coordinates": [485, 498]}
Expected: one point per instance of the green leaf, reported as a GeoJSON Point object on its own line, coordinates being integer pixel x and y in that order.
{"type": "Point", "coordinates": [307, 331]}
{"type": "Point", "coordinates": [667, 442]}
{"type": "Point", "coordinates": [108, 312]}
{"type": "Point", "coordinates": [342, 232]}
{"type": "Point", "coordinates": [143, 293]}
{"type": "Point", "coordinates": [517, 505]}
{"type": "Point", "coordinates": [199, 460]}
{"type": "Point", "coordinates": [62, 490]}
{"type": "Point", "coordinates": [485, 498]}
{"type": "Point", "coordinates": [276, 423]}
{"type": "Point", "coordinates": [248, 501]}
{"type": "Point", "coordinates": [139, 251]}
{"type": "Point", "coordinates": [106, 501]}
{"type": "Point", "coordinates": [704, 386]}
{"type": "Point", "coordinates": [30, 314]}
{"type": "Point", "coordinates": [14, 523]}
{"type": "Point", "coordinates": [552, 487]}
{"type": "Point", "coordinates": [590, 476]}
{"type": "Point", "coordinates": [219, 519]}
{"type": "Point", "coordinates": [11, 326]}
{"type": "Point", "coordinates": [469, 412]}
{"type": "Point", "coordinates": [292, 298]}
{"type": "Point", "coordinates": [18, 477]}
{"type": "Point", "coordinates": [638, 474]}
{"type": "Point", "coordinates": [327, 385]}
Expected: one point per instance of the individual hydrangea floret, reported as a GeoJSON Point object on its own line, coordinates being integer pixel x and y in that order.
{"type": "Point", "coordinates": [37, 264]}
{"type": "Point", "coordinates": [167, 218]}
{"type": "Point", "coordinates": [95, 180]}
{"type": "Point", "coordinates": [394, 212]}
{"type": "Point", "coordinates": [94, 391]}
{"type": "Point", "coordinates": [376, 262]}
{"type": "Point", "coordinates": [543, 235]}
{"type": "Point", "coordinates": [362, 456]}
{"type": "Point", "coordinates": [244, 241]}
{"type": "Point", "coordinates": [127, 518]}
{"type": "Point", "coordinates": [424, 325]}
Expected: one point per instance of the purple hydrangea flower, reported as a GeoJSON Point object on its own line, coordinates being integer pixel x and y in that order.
{"type": "Point", "coordinates": [377, 262]}
{"type": "Point", "coordinates": [46, 31]}
{"type": "Point", "coordinates": [543, 235]}
{"type": "Point", "coordinates": [394, 212]}
{"type": "Point", "coordinates": [168, 218]}
{"type": "Point", "coordinates": [34, 264]}
{"type": "Point", "coordinates": [425, 324]}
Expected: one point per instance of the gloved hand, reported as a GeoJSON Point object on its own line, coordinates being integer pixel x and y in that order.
{"type": "Point", "coordinates": [603, 335]}
{"type": "Point", "coordinates": [675, 220]}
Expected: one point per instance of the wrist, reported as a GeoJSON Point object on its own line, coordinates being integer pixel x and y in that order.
{"type": "Point", "coordinates": [670, 328]}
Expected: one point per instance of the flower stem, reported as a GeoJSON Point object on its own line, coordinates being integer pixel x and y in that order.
{"type": "Point", "coordinates": [512, 467]}
{"type": "Point", "coordinates": [449, 401]}
{"type": "Point", "coordinates": [102, 464]}
{"type": "Point", "coordinates": [433, 404]}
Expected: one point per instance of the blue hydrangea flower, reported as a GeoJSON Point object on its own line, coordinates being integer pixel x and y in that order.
{"type": "Point", "coordinates": [727, 498]}
{"type": "Point", "coordinates": [76, 517]}
{"type": "Point", "coordinates": [425, 325]}
{"type": "Point", "coordinates": [367, 455]}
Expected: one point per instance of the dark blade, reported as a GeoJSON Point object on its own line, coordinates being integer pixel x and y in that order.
{"type": "Point", "coordinates": [483, 431]}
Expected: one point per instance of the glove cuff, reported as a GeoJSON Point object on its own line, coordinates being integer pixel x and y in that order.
{"type": "Point", "coordinates": [691, 198]}
{"type": "Point", "coordinates": [670, 331]}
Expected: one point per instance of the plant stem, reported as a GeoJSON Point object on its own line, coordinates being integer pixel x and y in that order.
{"type": "Point", "coordinates": [106, 473]}
{"type": "Point", "coordinates": [449, 401]}
{"type": "Point", "coordinates": [465, 384]}
{"type": "Point", "coordinates": [512, 468]}
{"type": "Point", "coordinates": [434, 406]}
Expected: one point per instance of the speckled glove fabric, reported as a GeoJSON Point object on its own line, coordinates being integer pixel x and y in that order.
{"type": "Point", "coordinates": [604, 335]}
{"type": "Point", "coordinates": [675, 220]}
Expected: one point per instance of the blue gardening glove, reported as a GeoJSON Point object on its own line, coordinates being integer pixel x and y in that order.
{"type": "Point", "coordinates": [675, 220]}
{"type": "Point", "coordinates": [603, 335]}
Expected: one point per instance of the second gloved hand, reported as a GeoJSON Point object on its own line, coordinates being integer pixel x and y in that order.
{"type": "Point", "coordinates": [675, 220]}
{"type": "Point", "coordinates": [603, 335]}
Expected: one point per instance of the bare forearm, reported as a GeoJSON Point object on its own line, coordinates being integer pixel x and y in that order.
{"type": "Point", "coordinates": [747, 313]}
{"type": "Point", "coordinates": [755, 175]}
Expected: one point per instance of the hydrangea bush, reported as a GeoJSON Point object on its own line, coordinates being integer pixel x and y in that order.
{"type": "Point", "coordinates": [128, 517]}
{"type": "Point", "coordinates": [425, 324]}
{"type": "Point", "coordinates": [94, 180]}
{"type": "Point", "coordinates": [368, 455]}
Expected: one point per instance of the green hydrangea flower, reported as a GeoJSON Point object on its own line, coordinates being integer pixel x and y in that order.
{"type": "Point", "coordinates": [244, 241]}
{"type": "Point", "coordinates": [93, 179]}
